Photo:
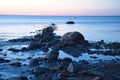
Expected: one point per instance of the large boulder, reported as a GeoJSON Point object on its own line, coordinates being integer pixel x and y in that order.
{"type": "Point", "coordinates": [73, 38]}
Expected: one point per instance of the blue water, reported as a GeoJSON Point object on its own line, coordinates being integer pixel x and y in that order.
{"type": "Point", "coordinates": [94, 28]}
{"type": "Point", "coordinates": [12, 19]}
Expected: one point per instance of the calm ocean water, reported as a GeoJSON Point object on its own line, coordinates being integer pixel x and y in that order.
{"type": "Point", "coordinates": [94, 28]}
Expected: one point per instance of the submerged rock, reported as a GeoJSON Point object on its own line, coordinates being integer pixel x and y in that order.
{"type": "Point", "coordinates": [70, 22]}
{"type": "Point", "coordinates": [73, 38]}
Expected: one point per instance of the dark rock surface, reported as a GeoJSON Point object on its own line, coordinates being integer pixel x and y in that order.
{"type": "Point", "coordinates": [17, 64]}
{"type": "Point", "coordinates": [52, 55]}
{"type": "Point", "coordinates": [70, 22]}
{"type": "Point", "coordinates": [73, 38]}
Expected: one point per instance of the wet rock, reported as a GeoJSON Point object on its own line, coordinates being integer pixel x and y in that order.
{"type": "Point", "coordinates": [44, 49]}
{"type": "Point", "coordinates": [93, 57]}
{"type": "Point", "coordinates": [2, 60]}
{"type": "Point", "coordinates": [17, 64]}
{"type": "Point", "coordinates": [34, 45]}
{"type": "Point", "coordinates": [72, 38]}
{"type": "Point", "coordinates": [73, 67]}
{"type": "Point", "coordinates": [84, 61]}
{"type": "Point", "coordinates": [70, 22]}
{"type": "Point", "coordinates": [52, 55]}
{"type": "Point", "coordinates": [47, 34]}
{"type": "Point", "coordinates": [24, 49]}
{"type": "Point", "coordinates": [39, 71]}
{"type": "Point", "coordinates": [0, 49]}
{"type": "Point", "coordinates": [97, 78]}
{"type": "Point", "coordinates": [13, 49]}
{"type": "Point", "coordinates": [34, 62]}
{"type": "Point", "coordinates": [69, 60]}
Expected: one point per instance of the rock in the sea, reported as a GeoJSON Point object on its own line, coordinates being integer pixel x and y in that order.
{"type": "Point", "coordinates": [13, 49]}
{"type": "Point", "coordinates": [52, 55]}
{"type": "Point", "coordinates": [73, 67]}
{"type": "Point", "coordinates": [2, 60]}
{"type": "Point", "coordinates": [73, 38]}
{"type": "Point", "coordinates": [70, 22]}
{"type": "Point", "coordinates": [17, 64]}
{"type": "Point", "coordinates": [0, 49]}
{"type": "Point", "coordinates": [69, 60]}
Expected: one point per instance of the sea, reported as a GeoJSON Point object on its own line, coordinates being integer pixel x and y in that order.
{"type": "Point", "coordinates": [94, 28]}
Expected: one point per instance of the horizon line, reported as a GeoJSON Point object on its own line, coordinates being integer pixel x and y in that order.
{"type": "Point", "coordinates": [50, 15]}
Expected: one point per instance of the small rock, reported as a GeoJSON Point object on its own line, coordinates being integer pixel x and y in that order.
{"type": "Point", "coordinates": [13, 49]}
{"type": "Point", "coordinates": [17, 64]}
{"type": "Point", "coordinates": [44, 49]}
{"type": "Point", "coordinates": [52, 55]}
{"type": "Point", "coordinates": [2, 60]}
{"type": "Point", "coordinates": [93, 57]}
{"type": "Point", "coordinates": [34, 62]}
{"type": "Point", "coordinates": [84, 61]}
{"type": "Point", "coordinates": [73, 67]}
{"type": "Point", "coordinates": [24, 49]}
{"type": "Point", "coordinates": [70, 22]}
{"type": "Point", "coordinates": [67, 60]}
{"type": "Point", "coordinates": [34, 45]}
{"type": "Point", "coordinates": [0, 49]}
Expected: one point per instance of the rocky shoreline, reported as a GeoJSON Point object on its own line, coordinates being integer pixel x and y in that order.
{"type": "Point", "coordinates": [51, 67]}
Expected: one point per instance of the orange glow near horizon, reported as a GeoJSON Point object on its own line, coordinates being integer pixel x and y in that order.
{"type": "Point", "coordinates": [60, 7]}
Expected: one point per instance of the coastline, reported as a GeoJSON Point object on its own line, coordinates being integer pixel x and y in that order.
{"type": "Point", "coordinates": [27, 55]}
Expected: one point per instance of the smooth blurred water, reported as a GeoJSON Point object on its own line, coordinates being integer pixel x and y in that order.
{"type": "Point", "coordinates": [94, 28]}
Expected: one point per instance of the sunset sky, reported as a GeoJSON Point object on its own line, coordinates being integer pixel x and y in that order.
{"type": "Point", "coordinates": [60, 7]}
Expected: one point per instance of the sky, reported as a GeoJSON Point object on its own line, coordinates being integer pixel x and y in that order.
{"type": "Point", "coordinates": [60, 7]}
